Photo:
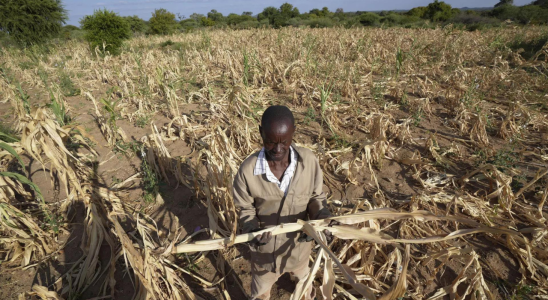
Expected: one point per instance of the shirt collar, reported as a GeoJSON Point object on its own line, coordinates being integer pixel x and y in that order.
{"type": "Point", "coordinates": [261, 166]}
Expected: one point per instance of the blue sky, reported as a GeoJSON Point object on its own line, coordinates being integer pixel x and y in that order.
{"type": "Point", "coordinates": [143, 8]}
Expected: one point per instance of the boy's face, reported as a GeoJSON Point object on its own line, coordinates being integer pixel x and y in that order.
{"type": "Point", "coordinates": [277, 138]}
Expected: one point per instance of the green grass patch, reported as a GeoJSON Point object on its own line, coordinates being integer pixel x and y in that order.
{"type": "Point", "coordinates": [67, 85]}
{"type": "Point", "coordinates": [59, 110]}
{"type": "Point", "coordinates": [142, 121]}
{"type": "Point", "coordinates": [7, 134]}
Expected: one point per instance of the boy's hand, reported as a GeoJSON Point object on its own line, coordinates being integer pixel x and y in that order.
{"type": "Point", "coordinates": [261, 239]}
{"type": "Point", "coordinates": [328, 233]}
{"type": "Point", "coordinates": [306, 238]}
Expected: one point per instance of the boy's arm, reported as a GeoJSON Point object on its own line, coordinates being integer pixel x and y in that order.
{"type": "Point", "coordinates": [244, 204]}
{"type": "Point", "coordinates": [317, 205]}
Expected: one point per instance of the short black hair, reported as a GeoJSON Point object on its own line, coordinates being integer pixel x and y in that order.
{"type": "Point", "coordinates": [277, 113]}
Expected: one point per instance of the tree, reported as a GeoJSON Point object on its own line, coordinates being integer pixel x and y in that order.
{"type": "Point", "coordinates": [136, 24]}
{"type": "Point", "coordinates": [30, 22]}
{"type": "Point", "coordinates": [162, 22]}
{"type": "Point", "coordinates": [339, 15]}
{"type": "Point", "coordinates": [215, 16]}
{"type": "Point", "coordinates": [531, 14]}
{"type": "Point", "coordinates": [247, 13]}
{"type": "Point", "coordinates": [316, 12]}
{"type": "Point", "coordinates": [106, 30]}
{"type": "Point", "coordinates": [417, 12]}
{"type": "Point", "coordinates": [369, 19]}
{"type": "Point", "coordinates": [542, 3]}
{"type": "Point", "coordinates": [505, 12]}
{"type": "Point", "coordinates": [206, 22]}
{"type": "Point", "coordinates": [196, 16]}
{"type": "Point", "coordinates": [279, 17]}
{"type": "Point", "coordinates": [288, 11]}
{"type": "Point", "coordinates": [438, 11]}
{"type": "Point", "coordinates": [504, 2]}
{"type": "Point", "coordinates": [326, 13]}
{"type": "Point", "coordinates": [269, 14]}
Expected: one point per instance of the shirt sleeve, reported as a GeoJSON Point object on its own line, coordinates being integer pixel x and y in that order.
{"type": "Point", "coordinates": [244, 204]}
{"type": "Point", "coordinates": [317, 205]}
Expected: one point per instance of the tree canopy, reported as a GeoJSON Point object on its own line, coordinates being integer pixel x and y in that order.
{"type": "Point", "coordinates": [136, 24]}
{"type": "Point", "coordinates": [438, 11]}
{"type": "Point", "coordinates": [30, 22]}
{"type": "Point", "coordinates": [162, 22]}
{"type": "Point", "coordinates": [543, 3]}
{"type": "Point", "coordinates": [434, 14]}
{"type": "Point", "coordinates": [504, 2]}
{"type": "Point", "coordinates": [279, 17]}
{"type": "Point", "coordinates": [106, 30]}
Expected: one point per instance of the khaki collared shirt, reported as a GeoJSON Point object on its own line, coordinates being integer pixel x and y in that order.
{"type": "Point", "coordinates": [261, 204]}
{"type": "Point", "coordinates": [261, 167]}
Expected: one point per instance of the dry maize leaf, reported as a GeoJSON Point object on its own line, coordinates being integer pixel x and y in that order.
{"type": "Point", "coordinates": [304, 285]}
{"type": "Point", "coordinates": [451, 290]}
{"type": "Point", "coordinates": [400, 286]}
{"type": "Point", "coordinates": [42, 292]}
{"type": "Point", "coordinates": [346, 232]}
{"type": "Point", "coordinates": [347, 272]}
{"type": "Point", "coordinates": [328, 278]}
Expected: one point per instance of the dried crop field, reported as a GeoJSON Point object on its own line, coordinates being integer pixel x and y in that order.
{"type": "Point", "coordinates": [433, 145]}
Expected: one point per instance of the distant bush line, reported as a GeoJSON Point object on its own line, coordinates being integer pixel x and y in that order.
{"type": "Point", "coordinates": [437, 13]}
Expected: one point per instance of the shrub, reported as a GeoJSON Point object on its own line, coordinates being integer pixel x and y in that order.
{"type": "Point", "coordinates": [524, 14]}
{"type": "Point", "coordinates": [162, 22]}
{"type": "Point", "coordinates": [351, 22]}
{"type": "Point", "coordinates": [70, 28]}
{"type": "Point", "coordinates": [529, 48]}
{"type": "Point", "coordinates": [106, 28]}
{"type": "Point", "coordinates": [474, 22]}
{"type": "Point", "coordinates": [136, 24]}
{"type": "Point", "coordinates": [234, 19]}
{"type": "Point", "coordinates": [370, 19]}
{"type": "Point", "coordinates": [248, 24]}
{"type": "Point", "coordinates": [70, 32]}
{"type": "Point", "coordinates": [296, 22]}
{"type": "Point", "coordinates": [504, 12]}
{"type": "Point", "coordinates": [542, 3]}
{"type": "Point", "coordinates": [29, 22]}
{"type": "Point", "coordinates": [190, 24]}
{"type": "Point", "coordinates": [392, 19]}
{"type": "Point", "coordinates": [167, 43]}
{"type": "Point", "coordinates": [532, 14]}
{"type": "Point", "coordinates": [320, 23]}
